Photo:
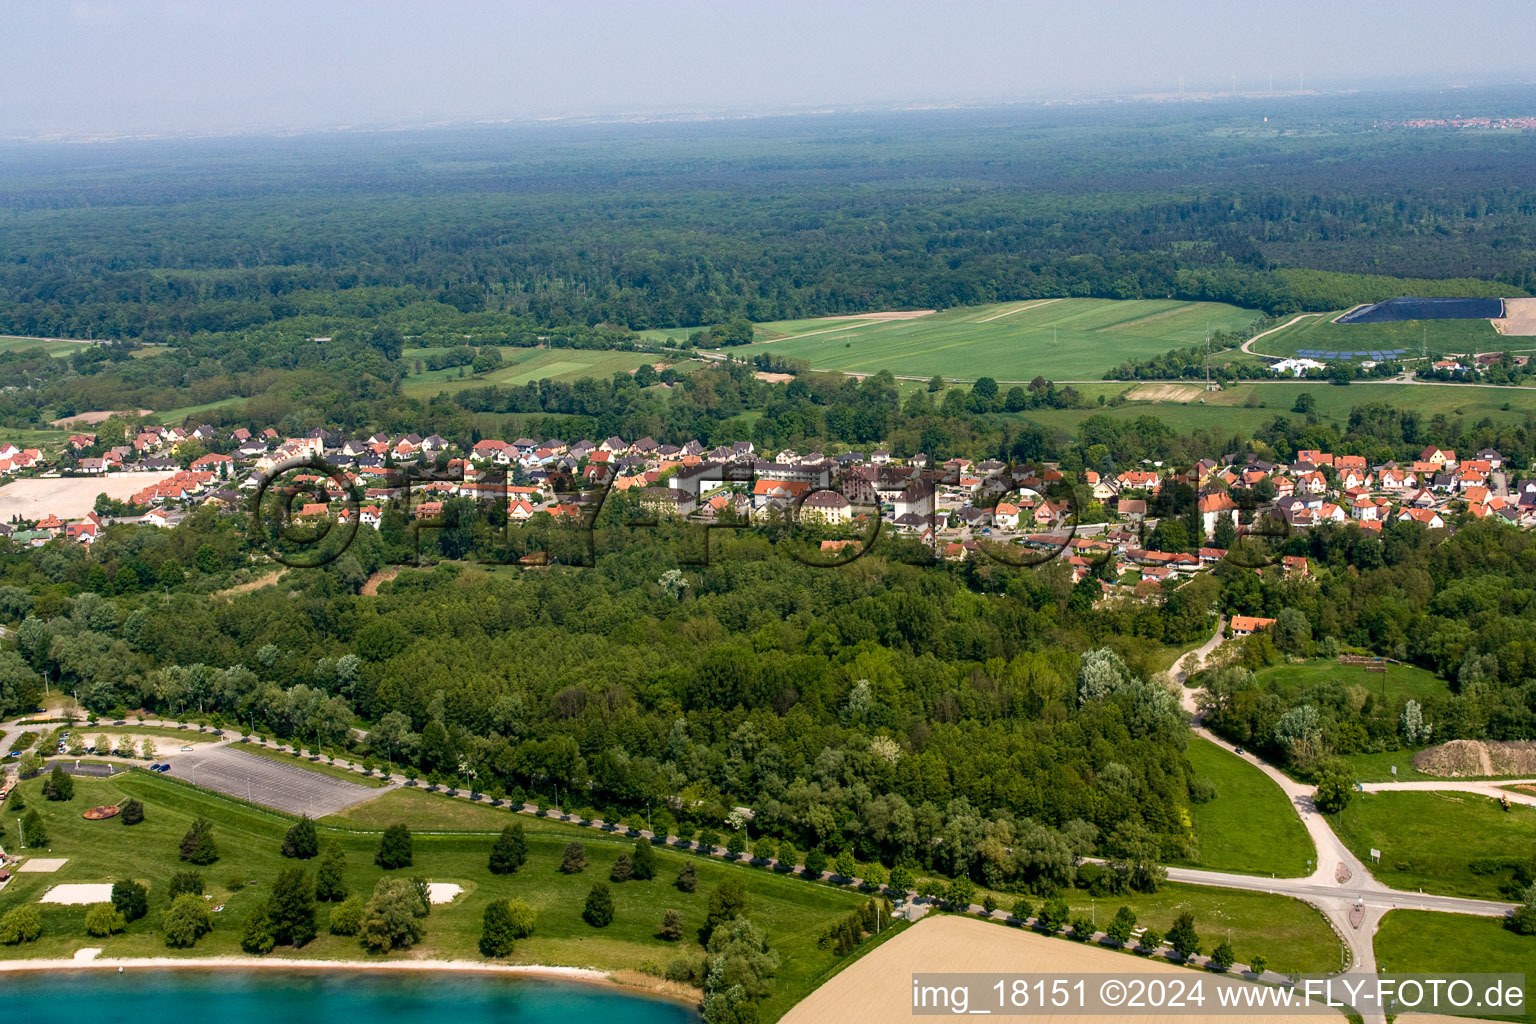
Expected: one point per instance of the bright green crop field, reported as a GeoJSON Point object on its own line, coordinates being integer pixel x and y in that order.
{"type": "Point", "coordinates": [1063, 339]}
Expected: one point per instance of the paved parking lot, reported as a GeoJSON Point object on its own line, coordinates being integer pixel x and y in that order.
{"type": "Point", "coordinates": [286, 787]}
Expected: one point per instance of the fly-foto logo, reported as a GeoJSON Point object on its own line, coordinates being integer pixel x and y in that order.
{"type": "Point", "coordinates": [306, 512]}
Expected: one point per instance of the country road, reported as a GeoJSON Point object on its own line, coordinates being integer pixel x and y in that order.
{"type": "Point", "coordinates": [1247, 346]}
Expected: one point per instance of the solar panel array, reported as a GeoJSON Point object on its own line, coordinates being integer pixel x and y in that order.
{"type": "Point", "coordinates": [1379, 356]}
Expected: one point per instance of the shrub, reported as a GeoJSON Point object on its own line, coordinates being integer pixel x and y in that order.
{"type": "Point", "coordinates": [58, 785]}
{"type": "Point", "coordinates": [33, 831]}
{"type": "Point", "coordinates": [23, 924]}
{"type": "Point", "coordinates": [189, 882]}
{"type": "Point", "coordinates": [347, 916]}
{"type": "Point", "coordinates": [330, 875]}
{"type": "Point", "coordinates": [815, 863]}
{"type": "Point", "coordinates": [392, 918]}
{"type": "Point", "coordinates": [682, 969]}
{"type": "Point", "coordinates": [901, 880]}
{"type": "Point", "coordinates": [687, 878]}
{"type": "Point", "coordinates": [197, 846]}
{"type": "Point", "coordinates": [256, 936]}
{"type": "Point", "coordinates": [1222, 957]}
{"type": "Point", "coordinates": [1150, 940]}
{"type": "Point", "coordinates": [130, 899]}
{"type": "Point", "coordinates": [103, 919]}
{"type": "Point", "coordinates": [1119, 930]}
{"type": "Point", "coordinates": [496, 937]}
{"type": "Point", "coordinates": [644, 861]}
{"type": "Point", "coordinates": [509, 851]}
{"type": "Point", "coordinates": [1022, 910]}
{"type": "Point", "coordinates": [1054, 914]}
{"type": "Point", "coordinates": [574, 860]}
{"type": "Point", "coordinates": [672, 925]}
{"type": "Point", "coordinates": [394, 849]}
{"type": "Point", "coordinates": [186, 921]}
{"type": "Point", "coordinates": [523, 918]}
{"type": "Point", "coordinates": [1182, 936]}
{"type": "Point", "coordinates": [1082, 929]}
{"type": "Point", "coordinates": [301, 842]}
{"type": "Point", "coordinates": [598, 911]}
{"type": "Point", "coordinates": [623, 869]}
{"type": "Point", "coordinates": [132, 812]}
{"type": "Point", "coordinates": [1257, 963]}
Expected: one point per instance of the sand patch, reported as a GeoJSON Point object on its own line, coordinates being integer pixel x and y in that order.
{"type": "Point", "coordinates": [774, 378]}
{"type": "Point", "coordinates": [78, 893]}
{"type": "Point", "coordinates": [87, 954]}
{"type": "Point", "coordinates": [877, 989]}
{"type": "Point", "coordinates": [1463, 758]}
{"type": "Point", "coordinates": [1519, 318]}
{"type": "Point", "coordinates": [70, 497]}
{"type": "Point", "coordinates": [383, 575]}
{"type": "Point", "coordinates": [443, 892]}
{"type": "Point", "coordinates": [42, 865]}
{"type": "Point", "coordinates": [87, 419]}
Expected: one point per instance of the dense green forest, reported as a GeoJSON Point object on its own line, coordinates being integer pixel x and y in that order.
{"type": "Point", "coordinates": [691, 224]}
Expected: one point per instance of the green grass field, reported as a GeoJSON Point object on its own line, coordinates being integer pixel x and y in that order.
{"type": "Point", "coordinates": [1063, 339]}
{"type": "Point", "coordinates": [1293, 935]}
{"type": "Point", "coordinates": [794, 912]}
{"type": "Point", "coordinates": [1398, 682]}
{"type": "Point", "coordinates": [520, 366]}
{"type": "Point", "coordinates": [1432, 841]}
{"type": "Point", "coordinates": [12, 343]}
{"type": "Point", "coordinates": [1322, 334]}
{"type": "Point", "coordinates": [1422, 941]}
{"type": "Point", "coordinates": [1246, 407]}
{"type": "Point", "coordinates": [1250, 826]}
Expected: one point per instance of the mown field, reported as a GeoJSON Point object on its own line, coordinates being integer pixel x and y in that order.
{"type": "Point", "coordinates": [1292, 934]}
{"type": "Point", "coordinates": [1397, 682]}
{"type": "Point", "coordinates": [1063, 339]}
{"type": "Point", "coordinates": [1422, 941]}
{"type": "Point", "coordinates": [1323, 334]}
{"type": "Point", "coordinates": [11, 343]}
{"type": "Point", "coordinates": [1457, 844]}
{"type": "Point", "coordinates": [1249, 826]}
{"type": "Point", "coordinates": [793, 911]}
{"type": "Point", "coordinates": [520, 366]}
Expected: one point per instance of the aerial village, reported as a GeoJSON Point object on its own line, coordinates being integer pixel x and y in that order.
{"type": "Point", "coordinates": [959, 508]}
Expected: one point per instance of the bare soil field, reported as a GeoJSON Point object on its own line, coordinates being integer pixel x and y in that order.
{"type": "Point", "coordinates": [1519, 318]}
{"type": "Point", "coordinates": [86, 419]}
{"type": "Point", "coordinates": [69, 497]}
{"type": "Point", "coordinates": [877, 989]}
{"type": "Point", "coordinates": [1164, 393]}
{"type": "Point", "coordinates": [1462, 758]}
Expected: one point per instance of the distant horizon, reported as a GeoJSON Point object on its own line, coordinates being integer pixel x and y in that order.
{"type": "Point", "coordinates": [177, 68]}
{"type": "Point", "coordinates": [1384, 90]}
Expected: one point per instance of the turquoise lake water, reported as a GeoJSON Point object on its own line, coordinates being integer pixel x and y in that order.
{"type": "Point", "coordinates": [275, 997]}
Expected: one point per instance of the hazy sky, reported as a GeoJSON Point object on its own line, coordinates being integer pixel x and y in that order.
{"type": "Point", "coordinates": [129, 66]}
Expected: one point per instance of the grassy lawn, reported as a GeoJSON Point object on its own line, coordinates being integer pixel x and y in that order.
{"type": "Point", "coordinates": [1428, 942]}
{"type": "Point", "coordinates": [793, 912]}
{"type": "Point", "coordinates": [1397, 683]}
{"type": "Point", "coordinates": [12, 343]}
{"type": "Point", "coordinates": [335, 771]}
{"type": "Point", "coordinates": [1250, 826]}
{"type": "Point", "coordinates": [1069, 339]}
{"type": "Point", "coordinates": [189, 735]}
{"type": "Point", "coordinates": [520, 366]}
{"type": "Point", "coordinates": [1293, 935]}
{"type": "Point", "coordinates": [1431, 841]}
{"type": "Point", "coordinates": [1322, 334]}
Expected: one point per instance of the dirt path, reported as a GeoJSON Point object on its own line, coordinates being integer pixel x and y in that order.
{"type": "Point", "coordinates": [1247, 346]}
{"type": "Point", "coordinates": [1018, 309]}
{"type": "Point", "coordinates": [249, 585]}
{"type": "Point", "coordinates": [384, 575]}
